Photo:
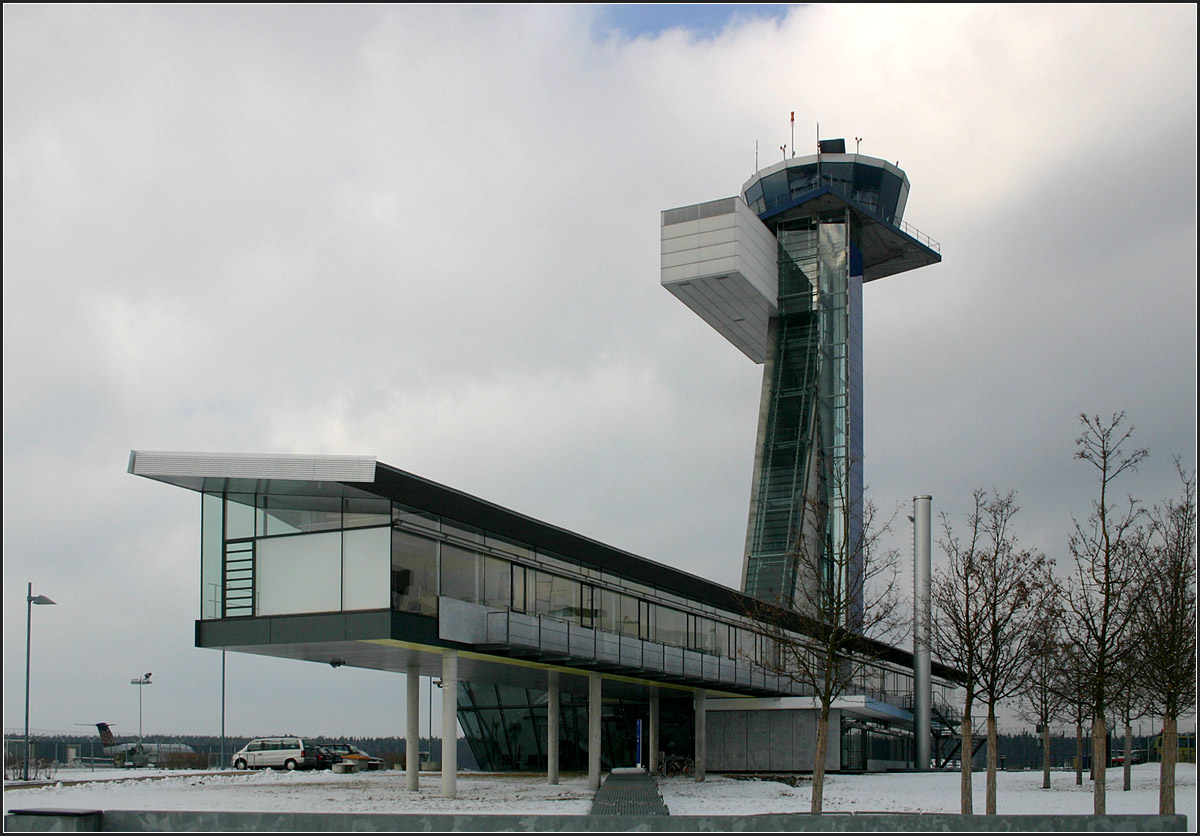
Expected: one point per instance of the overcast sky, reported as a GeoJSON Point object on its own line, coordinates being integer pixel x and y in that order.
{"type": "Point", "coordinates": [431, 234]}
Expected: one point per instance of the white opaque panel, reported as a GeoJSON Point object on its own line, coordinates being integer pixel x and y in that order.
{"type": "Point", "coordinates": [300, 574]}
{"type": "Point", "coordinates": [366, 567]}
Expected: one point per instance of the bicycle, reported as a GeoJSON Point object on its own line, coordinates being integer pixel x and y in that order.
{"type": "Point", "coordinates": [674, 766]}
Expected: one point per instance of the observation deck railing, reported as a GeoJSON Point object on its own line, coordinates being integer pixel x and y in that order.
{"type": "Point", "coordinates": [920, 236]}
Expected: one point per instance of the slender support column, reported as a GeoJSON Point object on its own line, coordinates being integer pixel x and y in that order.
{"type": "Point", "coordinates": [223, 761]}
{"type": "Point", "coordinates": [594, 731]}
{"type": "Point", "coordinates": [653, 743]}
{"type": "Point", "coordinates": [552, 717]}
{"type": "Point", "coordinates": [701, 736]}
{"type": "Point", "coordinates": [449, 723]}
{"type": "Point", "coordinates": [922, 680]}
{"type": "Point", "coordinates": [412, 731]}
{"type": "Point", "coordinates": [28, 629]}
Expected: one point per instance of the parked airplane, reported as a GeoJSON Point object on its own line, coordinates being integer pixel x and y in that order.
{"type": "Point", "coordinates": [137, 754]}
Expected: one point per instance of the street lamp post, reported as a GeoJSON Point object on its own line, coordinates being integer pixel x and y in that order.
{"type": "Point", "coordinates": [140, 681]}
{"type": "Point", "coordinates": [30, 600]}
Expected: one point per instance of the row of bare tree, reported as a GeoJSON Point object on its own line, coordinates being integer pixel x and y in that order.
{"type": "Point", "coordinates": [1115, 636]}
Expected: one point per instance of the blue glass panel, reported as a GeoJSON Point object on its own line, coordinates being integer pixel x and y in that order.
{"type": "Point", "coordinates": [889, 195]}
{"type": "Point", "coordinates": [775, 189]}
{"type": "Point", "coordinates": [754, 195]}
{"type": "Point", "coordinates": [838, 172]}
{"type": "Point", "coordinates": [802, 179]}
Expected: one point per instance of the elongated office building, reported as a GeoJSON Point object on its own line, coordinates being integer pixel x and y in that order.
{"type": "Point", "coordinates": [779, 272]}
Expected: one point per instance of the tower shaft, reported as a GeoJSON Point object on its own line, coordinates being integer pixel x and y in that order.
{"type": "Point", "coordinates": [806, 493]}
{"type": "Point", "coordinates": [779, 271]}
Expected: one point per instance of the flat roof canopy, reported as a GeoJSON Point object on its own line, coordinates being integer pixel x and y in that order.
{"type": "Point", "coordinates": [300, 475]}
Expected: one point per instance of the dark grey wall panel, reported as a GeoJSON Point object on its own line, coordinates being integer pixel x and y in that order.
{"type": "Point", "coordinates": [781, 739]}
{"type": "Point", "coordinates": [758, 740]}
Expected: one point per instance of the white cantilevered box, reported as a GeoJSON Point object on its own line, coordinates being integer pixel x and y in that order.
{"type": "Point", "coordinates": [721, 261]}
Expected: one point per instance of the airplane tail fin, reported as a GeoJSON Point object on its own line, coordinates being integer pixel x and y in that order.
{"type": "Point", "coordinates": [106, 735]}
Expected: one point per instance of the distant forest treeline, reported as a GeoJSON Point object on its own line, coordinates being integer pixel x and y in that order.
{"type": "Point", "coordinates": [391, 749]}
{"type": "Point", "coordinates": [1024, 751]}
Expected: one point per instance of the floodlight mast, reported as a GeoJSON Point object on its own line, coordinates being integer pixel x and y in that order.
{"type": "Point", "coordinates": [30, 600]}
{"type": "Point", "coordinates": [922, 675]}
{"type": "Point", "coordinates": [140, 681]}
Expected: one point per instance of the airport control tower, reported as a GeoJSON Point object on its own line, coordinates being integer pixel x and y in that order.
{"type": "Point", "coordinates": [778, 271]}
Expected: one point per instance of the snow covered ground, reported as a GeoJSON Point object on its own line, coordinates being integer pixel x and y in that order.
{"type": "Point", "coordinates": [369, 792]}
{"type": "Point", "coordinates": [931, 792]}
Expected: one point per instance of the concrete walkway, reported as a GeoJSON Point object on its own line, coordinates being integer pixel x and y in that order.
{"type": "Point", "coordinates": [628, 792]}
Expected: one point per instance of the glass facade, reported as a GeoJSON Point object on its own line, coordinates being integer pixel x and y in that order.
{"type": "Point", "coordinates": [809, 485]}
{"type": "Point", "coordinates": [268, 555]}
{"type": "Point", "coordinates": [505, 727]}
{"type": "Point", "coordinates": [874, 189]}
{"type": "Point", "coordinates": [414, 569]}
{"type": "Point", "coordinates": [871, 745]}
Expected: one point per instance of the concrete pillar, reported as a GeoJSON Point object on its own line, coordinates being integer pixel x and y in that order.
{"type": "Point", "coordinates": [922, 678]}
{"type": "Point", "coordinates": [449, 723]}
{"type": "Point", "coordinates": [412, 731]}
{"type": "Point", "coordinates": [552, 735]}
{"type": "Point", "coordinates": [653, 742]}
{"type": "Point", "coordinates": [594, 737]}
{"type": "Point", "coordinates": [701, 735]}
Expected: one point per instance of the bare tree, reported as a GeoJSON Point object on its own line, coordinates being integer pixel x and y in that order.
{"type": "Point", "coordinates": [990, 597]}
{"type": "Point", "coordinates": [851, 584]}
{"type": "Point", "coordinates": [1128, 703]}
{"type": "Point", "coordinates": [1100, 589]}
{"type": "Point", "coordinates": [1016, 583]}
{"type": "Point", "coordinates": [958, 631]}
{"type": "Point", "coordinates": [1042, 702]}
{"type": "Point", "coordinates": [1076, 697]}
{"type": "Point", "coordinates": [1165, 620]}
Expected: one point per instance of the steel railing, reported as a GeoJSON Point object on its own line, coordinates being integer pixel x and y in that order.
{"type": "Point", "coordinates": [552, 637]}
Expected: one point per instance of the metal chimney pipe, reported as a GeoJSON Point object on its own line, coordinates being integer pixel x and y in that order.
{"type": "Point", "coordinates": [922, 680]}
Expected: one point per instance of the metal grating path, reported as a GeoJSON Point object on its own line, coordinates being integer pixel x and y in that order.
{"type": "Point", "coordinates": [628, 793]}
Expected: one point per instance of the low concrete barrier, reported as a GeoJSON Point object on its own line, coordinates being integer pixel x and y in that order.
{"type": "Point", "coordinates": [194, 821]}
{"type": "Point", "coordinates": [52, 818]}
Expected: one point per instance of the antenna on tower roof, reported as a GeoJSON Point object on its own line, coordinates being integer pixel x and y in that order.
{"type": "Point", "coordinates": [793, 133]}
{"type": "Point", "coordinates": [818, 153]}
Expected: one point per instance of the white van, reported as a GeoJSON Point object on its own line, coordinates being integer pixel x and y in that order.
{"type": "Point", "coordinates": [277, 753]}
